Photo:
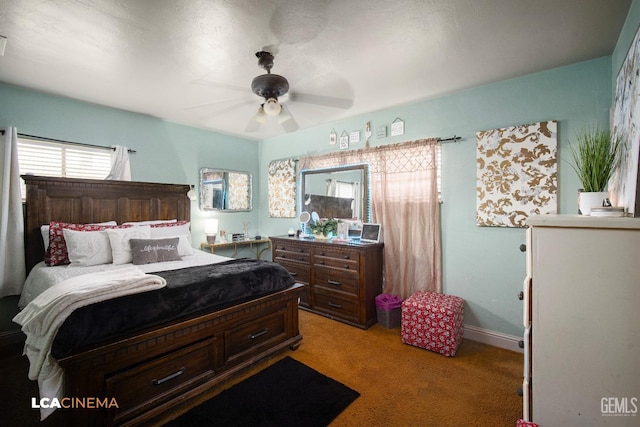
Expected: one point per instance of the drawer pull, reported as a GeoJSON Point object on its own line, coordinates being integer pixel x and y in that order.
{"type": "Point", "coordinates": [333, 282]}
{"type": "Point", "coordinates": [334, 305]}
{"type": "Point", "coordinates": [168, 377]}
{"type": "Point", "coordinates": [346, 267]}
{"type": "Point", "coordinates": [293, 273]}
{"type": "Point", "coordinates": [346, 257]}
{"type": "Point", "coordinates": [301, 250]}
{"type": "Point", "coordinates": [259, 334]}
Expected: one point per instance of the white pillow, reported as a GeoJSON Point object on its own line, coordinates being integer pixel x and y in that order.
{"type": "Point", "coordinates": [88, 247]}
{"type": "Point", "coordinates": [119, 240]}
{"type": "Point", "coordinates": [44, 230]}
{"type": "Point", "coordinates": [181, 230]}
{"type": "Point", "coordinates": [172, 231]}
{"type": "Point", "coordinates": [156, 221]}
{"type": "Point", "coordinates": [184, 244]}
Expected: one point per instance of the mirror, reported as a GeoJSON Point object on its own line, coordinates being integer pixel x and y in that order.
{"type": "Point", "coordinates": [340, 192]}
{"type": "Point", "coordinates": [225, 190]}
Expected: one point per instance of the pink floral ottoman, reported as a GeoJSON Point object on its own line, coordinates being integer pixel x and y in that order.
{"type": "Point", "coordinates": [433, 321]}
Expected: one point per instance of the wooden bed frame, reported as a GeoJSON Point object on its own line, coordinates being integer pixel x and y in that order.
{"type": "Point", "coordinates": [158, 371]}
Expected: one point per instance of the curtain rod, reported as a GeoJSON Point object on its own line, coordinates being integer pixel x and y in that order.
{"type": "Point", "coordinates": [453, 138]}
{"type": "Point", "coordinates": [41, 138]}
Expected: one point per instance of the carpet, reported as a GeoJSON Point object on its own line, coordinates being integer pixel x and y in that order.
{"type": "Point", "coordinates": [287, 393]}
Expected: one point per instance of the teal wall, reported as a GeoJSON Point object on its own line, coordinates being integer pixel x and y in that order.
{"type": "Point", "coordinates": [166, 152]}
{"type": "Point", "coordinates": [482, 265]}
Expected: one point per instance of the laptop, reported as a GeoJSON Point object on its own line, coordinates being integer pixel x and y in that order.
{"type": "Point", "coordinates": [370, 233]}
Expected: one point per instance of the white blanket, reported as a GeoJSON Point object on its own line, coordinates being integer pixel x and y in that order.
{"type": "Point", "coordinates": [42, 317]}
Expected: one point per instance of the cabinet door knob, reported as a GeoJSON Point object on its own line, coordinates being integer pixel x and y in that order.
{"type": "Point", "coordinates": [520, 295]}
{"type": "Point", "coordinates": [523, 248]}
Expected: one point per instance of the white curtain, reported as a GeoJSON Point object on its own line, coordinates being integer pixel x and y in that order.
{"type": "Point", "coordinates": [404, 200]}
{"type": "Point", "coordinates": [331, 187]}
{"type": "Point", "coordinates": [357, 197]}
{"type": "Point", "coordinates": [120, 165]}
{"type": "Point", "coordinates": [12, 265]}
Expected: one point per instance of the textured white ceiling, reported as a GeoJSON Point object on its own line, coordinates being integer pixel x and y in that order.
{"type": "Point", "coordinates": [192, 61]}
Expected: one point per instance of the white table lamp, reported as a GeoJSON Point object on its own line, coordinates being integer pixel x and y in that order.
{"type": "Point", "coordinates": [211, 229]}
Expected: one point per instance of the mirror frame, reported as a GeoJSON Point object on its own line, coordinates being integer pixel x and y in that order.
{"type": "Point", "coordinates": [226, 183]}
{"type": "Point", "coordinates": [364, 167]}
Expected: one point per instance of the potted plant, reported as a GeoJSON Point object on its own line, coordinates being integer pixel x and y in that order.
{"type": "Point", "coordinates": [595, 157]}
{"type": "Point", "coordinates": [324, 227]}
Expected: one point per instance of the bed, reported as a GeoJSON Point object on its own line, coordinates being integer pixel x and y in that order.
{"type": "Point", "coordinates": [161, 363]}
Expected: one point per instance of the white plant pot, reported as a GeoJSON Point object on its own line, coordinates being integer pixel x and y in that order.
{"type": "Point", "coordinates": [588, 200]}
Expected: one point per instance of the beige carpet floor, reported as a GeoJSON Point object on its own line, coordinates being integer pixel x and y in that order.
{"type": "Point", "coordinates": [402, 385]}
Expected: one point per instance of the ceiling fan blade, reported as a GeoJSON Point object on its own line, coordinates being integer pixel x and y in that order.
{"type": "Point", "coordinates": [217, 85]}
{"type": "Point", "coordinates": [326, 101]}
{"type": "Point", "coordinates": [286, 120]}
{"type": "Point", "coordinates": [222, 105]}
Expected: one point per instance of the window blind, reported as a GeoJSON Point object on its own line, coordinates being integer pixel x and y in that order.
{"type": "Point", "coordinates": [47, 158]}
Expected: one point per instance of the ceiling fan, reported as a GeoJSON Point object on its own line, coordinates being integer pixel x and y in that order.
{"type": "Point", "coordinates": [272, 86]}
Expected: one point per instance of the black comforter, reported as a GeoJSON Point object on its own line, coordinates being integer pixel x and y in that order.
{"type": "Point", "coordinates": [189, 291]}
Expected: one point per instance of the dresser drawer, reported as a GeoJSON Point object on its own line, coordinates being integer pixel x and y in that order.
{"type": "Point", "coordinates": [337, 257]}
{"type": "Point", "coordinates": [337, 280]}
{"type": "Point", "coordinates": [343, 264]}
{"type": "Point", "coordinates": [283, 256]}
{"type": "Point", "coordinates": [291, 246]}
{"type": "Point", "coordinates": [335, 304]}
{"type": "Point", "coordinates": [253, 336]}
{"type": "Point", "coordinates": [163, 377]}
{"type": "Point", "coordinates": [302, 274]}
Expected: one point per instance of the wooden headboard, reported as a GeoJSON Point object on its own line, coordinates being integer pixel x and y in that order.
{"type": "Point", "coordinates": [84, 201]}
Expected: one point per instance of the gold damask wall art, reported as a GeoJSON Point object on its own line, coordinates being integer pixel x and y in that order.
{"type": "Point", "coordinates": [517, 174]}
{"type": "Point", "coordinates": [282, 188]}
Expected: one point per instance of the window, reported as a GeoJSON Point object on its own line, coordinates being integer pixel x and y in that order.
{"type": "Point", "coordinates": [345, 190]}
{"type": "Point", "coordinates": [37, 157]}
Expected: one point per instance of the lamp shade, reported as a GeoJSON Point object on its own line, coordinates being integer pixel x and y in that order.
{"type": "Point", "coordinates": [271, 107]}
{"type": "Point", "coordinates": [211, 226]}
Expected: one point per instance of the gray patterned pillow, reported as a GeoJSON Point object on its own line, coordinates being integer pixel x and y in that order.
{"type": "Point", "coordinates": [146, 251]}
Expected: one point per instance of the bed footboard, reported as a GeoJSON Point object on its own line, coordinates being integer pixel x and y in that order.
{"type": "Point", "coordinates": [152, 374]}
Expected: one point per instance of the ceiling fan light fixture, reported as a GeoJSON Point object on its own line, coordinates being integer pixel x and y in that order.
{"type": "Point", "coordinates": [261, 116]}
{"type": "Point", "coordinates": [272, 107]}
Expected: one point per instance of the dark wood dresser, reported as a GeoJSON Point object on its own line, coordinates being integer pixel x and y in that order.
{"type": "Point", "coordinates": [341, 280]}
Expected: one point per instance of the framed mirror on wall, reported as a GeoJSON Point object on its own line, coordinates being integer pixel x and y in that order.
{"type": "Point", "coordinates": [338, 192]}
{"type": "Point", "coordinates": [226, 190]}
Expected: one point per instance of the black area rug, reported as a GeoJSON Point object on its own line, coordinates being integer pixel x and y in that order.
{"type": "Point", "coordinates": [287, 393]}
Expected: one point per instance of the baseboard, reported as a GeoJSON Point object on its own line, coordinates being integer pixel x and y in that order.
{"type": "Point", "coordinates": [496, 339]}
{"type": "Point", "coordinates": [11, 337]}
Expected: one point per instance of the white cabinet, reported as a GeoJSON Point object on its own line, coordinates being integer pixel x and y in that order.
{"type": "Point", "coordinates": [582, 350]}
